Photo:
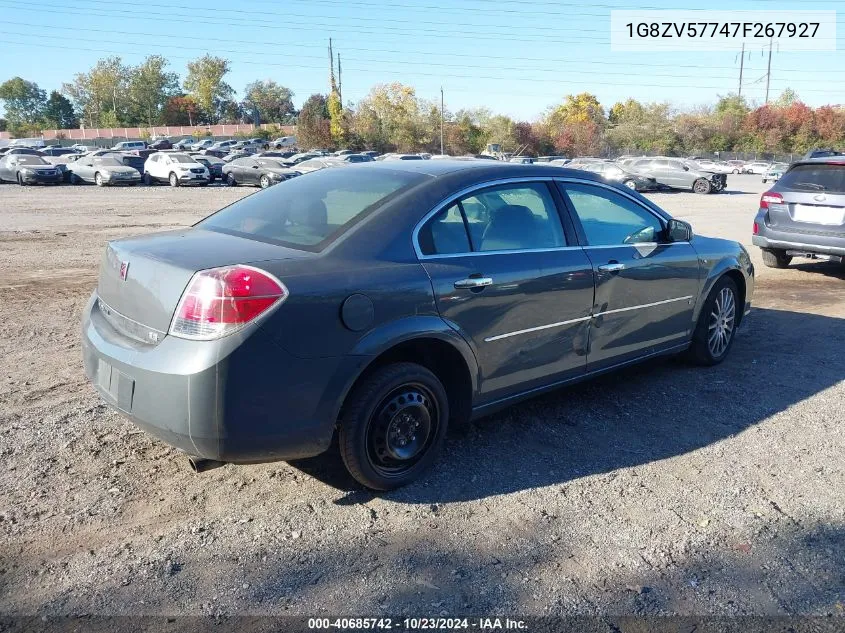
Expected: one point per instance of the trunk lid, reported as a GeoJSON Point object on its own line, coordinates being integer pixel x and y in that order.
{"type": "Point", "coordinates": [142, 278]}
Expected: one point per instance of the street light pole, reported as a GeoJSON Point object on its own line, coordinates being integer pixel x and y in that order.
{"type": "Point", "coordinates": [441, 120]}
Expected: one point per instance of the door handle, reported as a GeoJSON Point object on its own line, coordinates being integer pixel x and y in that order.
{"type": "Point", "coordinates": [612, 267]}
{"type": "Point", "coordinates": [474, 282]}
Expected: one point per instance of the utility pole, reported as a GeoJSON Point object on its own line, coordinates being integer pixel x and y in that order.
{"type": "Point", "coordinates": [339, 82]}
{"type": "Point", "coordinates": [741, 64]}
{"type": "Point", "coordinates": [769, 71]}
{"type": "Point", "coordinates": [441, 120]}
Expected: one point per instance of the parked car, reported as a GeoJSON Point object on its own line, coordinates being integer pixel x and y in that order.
{"type": "Point", "coordinates": [522, 160]}
{"type": "Point", "coordinates": [129, 145]}
{"type": "Point", "coordinates": [757, 167]}
{"type": "Point", "coordinates": [717, 167]}
{"type": "Point", "coordinates": [253, 145]}
{"type": "Point", "coordinates": [391, 157]}
{"type": "Point", "coordinates": [822, 153]}
{"type": "Point", "coordinates": [262, 172]}
{"type": "Point", "coordinates": [184, 145]}
{"type": "Point", "coordinates": [57, 151]}
{"type": "Point", "coordinates": [612, 171]}
{"type": "Point", "coordinates": [242, 362]}
{"type": "Point", "coordinates": [176, 169]}
{"type": "Point", "coordinates": [28, 151]}
{"type": "Point", "coordinates": [160, 144]}
{"type": "Point", "coordinates": [803, 214]}
{"type": "Point", "coordinates": [275, 154]}
{"type": "Point", "coordinates": [355, 158]}
{"type": "Point", "coordinates": [26, 169]}
{"type": "Point", "coordinates": [303, 156]}
{"type": "Point", "coordinates": [774, 172]}
{"type": "Point", "coordinates": [677, 173]}
{"type": "Point", "coordinates": [737, 166]}
{"type": "Point", "coordinates": [371, 153]}
{"type": "Point", "coordinates": [213, 164]}
{"type": "Point", "coordinates": [235, 154]}
{"type": "Point", "coordinates": [103, 170]}
{"type": "Point", "coordinates": [202, 144]}
{"type": "Point", "coordinates": [220, 148]}
{"type": "Point", "coordinates": [548, 159]}
{"type": "Point", "coordinates": [81, 148]}
{"type": "Point", "coordinates": [284, 141]}
{"type": "Point", "coordinates": [315, 164]}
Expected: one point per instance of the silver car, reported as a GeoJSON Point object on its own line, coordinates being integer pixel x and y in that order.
{"type": "Point", "coordinates": [102, 170]}
{"type": "Point", "coordinates": [679, 173]}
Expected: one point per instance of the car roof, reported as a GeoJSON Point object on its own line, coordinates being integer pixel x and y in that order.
{"type": "Point", "coordinates": [475, 169]}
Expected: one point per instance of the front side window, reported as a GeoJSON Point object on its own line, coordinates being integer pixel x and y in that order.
{"type": "Point", "coordinates": [610, 219]}
{"type": "Point", "coordinates": [515, 217]}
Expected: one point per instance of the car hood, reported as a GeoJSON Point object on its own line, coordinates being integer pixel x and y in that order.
{"type": "Point", "coordinates": [38, 168]}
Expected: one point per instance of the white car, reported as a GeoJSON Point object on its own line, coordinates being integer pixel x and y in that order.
{"type": "Point", "coordinates": [716, 166]}
{"type": "Point", "coordinates": [284, 141]}
{"type": "Point", "coordinates": [757, 167]}
{"type": "Point", "coordinates": [175, 168]}
{"type": "Point", "coordinates": [203, 144]}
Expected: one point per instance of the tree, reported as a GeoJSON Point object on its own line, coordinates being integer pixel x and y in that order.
{"type": "Point", "coordinates": [395, 113]}
{"type": "Point", "coordinates": [205, 84]}
{"type": "Point", "coordinates": [101, 95]}
{"type": "Point", "coordinates": [24, 101]}
{"type": "Point", "coordinates": [786, 98]}
{"type": "Point", "coordinates": [313, 129]}
{"type": "Point", "coordinates": [150, 87]}
{"type": "Point", "coordinates": [59, 112]}
{"type": "Point", "coordinates": [180, 110]}
{"type": "Point", "coordinates": [268, 102]}
{"type": "Point", "coordinates": [576, 125]}
{"type": "Point", "coordinates": [4, 123]}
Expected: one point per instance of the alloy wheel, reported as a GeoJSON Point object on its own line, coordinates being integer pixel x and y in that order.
{"type": "Point", "coordinates": [720, 327]}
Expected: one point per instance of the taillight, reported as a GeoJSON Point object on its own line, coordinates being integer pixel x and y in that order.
{"type": "Point", "coordinates": [220, 301]}
{"type": "Point", "coordinates": [770, 197]}
{"type": "Point", "coordinates": [756, 229]}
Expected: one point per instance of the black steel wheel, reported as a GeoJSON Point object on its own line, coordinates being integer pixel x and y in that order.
{"type": "Point", "coordinates": [393, 425]}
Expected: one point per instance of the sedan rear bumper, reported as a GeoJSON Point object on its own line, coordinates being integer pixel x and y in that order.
{"type": "Point", "coordinates": [769, 237]}
{"type": "Point", "coordinates": [238, 399]}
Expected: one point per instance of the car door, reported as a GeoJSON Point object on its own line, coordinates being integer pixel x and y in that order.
{"type": "Point", "coordinates": [84, 169]}
{"type": "Point", "coordinates": [508, 277]}
{"type": "Point", "coordinates": [6, 169]}
{"type": "Point", "coordinates": [251, 170]}
{"type": "Point", "coordinates": [646, 286]}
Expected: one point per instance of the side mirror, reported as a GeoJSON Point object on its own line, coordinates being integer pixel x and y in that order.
{"type": "Point", "coordinates": [678, 231]}
{"type": "Point", "coordinates": [686, 168]}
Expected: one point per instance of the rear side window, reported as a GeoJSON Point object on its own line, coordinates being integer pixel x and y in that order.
{"type": "Point", "coordinates": [814, 178]}
{"type": "Point", "coordinates": [311, 211]}
{"type": "Point", "coordinates": [507, 218]}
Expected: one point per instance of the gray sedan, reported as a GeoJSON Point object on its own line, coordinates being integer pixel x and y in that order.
{"type": "Point", "coordinates": [378, 303]}
{"type": "Point", "coordinates": [26, 169]}
{"type": "Point", "coordinates": [102, 170]}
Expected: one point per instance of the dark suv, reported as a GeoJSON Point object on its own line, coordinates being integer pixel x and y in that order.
{"type": "Point", "coordinates": [803, 215]}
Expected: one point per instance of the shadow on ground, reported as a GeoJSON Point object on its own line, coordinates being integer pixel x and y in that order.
{"type": "Point", "coordinates": [635, 416]}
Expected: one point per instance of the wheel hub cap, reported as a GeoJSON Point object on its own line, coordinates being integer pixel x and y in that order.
{"type": "Point", "coordinates": [402, 427]}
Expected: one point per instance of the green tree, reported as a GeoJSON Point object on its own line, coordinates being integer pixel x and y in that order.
{"type": "Point", "coordinates": [313, 128]}
{"type": "Point", "coordinates": [786, 98]}
{"type": "Point", "coordinates": [24, 101]}
{"type": "Point", "coordinates": [101, 94]}
{"type": "Point", "coordinates": [59, 112]}
{"type": "Point", "coordinates": [204, 82]}
{"type": "Point", "coordinates": [150, 87]}
{"type": "Point", "coordinates": [269, 102]}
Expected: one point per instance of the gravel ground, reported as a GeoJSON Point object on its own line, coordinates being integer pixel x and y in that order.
{"type": "Point", "coordinates": [665, 489]}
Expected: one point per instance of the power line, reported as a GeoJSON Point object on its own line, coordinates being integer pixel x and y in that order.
{"type": "Point", "coordinates": [404, 73]}
{"type": "Point", "coordinates": [399, 62]}
{"type": "Point", "coordinates": [406, 52]}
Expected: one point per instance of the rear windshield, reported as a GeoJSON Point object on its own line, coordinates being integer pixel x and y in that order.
{"type": "Point", "coordinates": [309, 212]}
{"type": "Point", "coordinates": [814, 178]}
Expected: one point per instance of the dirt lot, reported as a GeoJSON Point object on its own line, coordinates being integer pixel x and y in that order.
{"type": "Point", "coordinates": [663, 489]}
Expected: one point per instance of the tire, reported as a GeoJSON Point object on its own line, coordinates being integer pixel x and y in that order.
{"type": "Point", "coordinates": [75, 180]}
{"type": "Point", "coordinates": [702, 186]}
{"type": "Point", "coordinates": [735, 171]}
{"type": "Point", "coordinates": [20, 180]}
{"type": "Point", "coordinates": [98, 180]}
{"type": "Point", "coordinates": [148, 180]}
{"type": "Point", "coordinates": [776, 258]}
{"type": "Point", "coordinates": [173, 179]}
{"type": "Point", "coordinates": [378, 417]}
{"type": "Point", "coordinates": [266, 146]}
{"type": "Point", "coordinates": [230, 180]}
{"type": "Point", "coordinates": [630, 184]}
{"type": "Point", "coordinates": [764, 181]}
{"type": "Point", "coordinates": [716, 328]}
{"type": "Point", "coordinates": [264, 182]}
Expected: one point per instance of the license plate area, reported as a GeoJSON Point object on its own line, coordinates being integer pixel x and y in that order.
{"type": "Point", "coordinates": [115, 385]}
{"type": "Point", "coordinates": [813, 214]}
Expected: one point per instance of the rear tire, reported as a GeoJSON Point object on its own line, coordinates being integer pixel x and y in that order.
{"type": "Point", "coordinates": [776, 258]}
{"type": "Point", "coordinates": [714, 333]}
{"type": "Point", "coordinates": [702, 186]}
{"type": "Point", "coordinates": [392, 425]}
{"type": "Point", "coordinates": [75, 180]}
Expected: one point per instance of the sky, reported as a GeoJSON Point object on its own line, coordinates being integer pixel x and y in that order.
{"type": "Point", "coordinates": [516, 57]}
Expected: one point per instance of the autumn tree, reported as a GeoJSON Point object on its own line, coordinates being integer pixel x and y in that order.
{"type": "Point", "coordinates": [313, 128]}
{"type": "Point", "coordinates": [204, 82]}
{"type": "Point", "coordinates": [181, 110]}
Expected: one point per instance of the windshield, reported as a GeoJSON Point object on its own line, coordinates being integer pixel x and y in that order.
{"type": "Point", "coordinates": [310, 211]}
{"type": "Point", "coordinates": [181, 158]}
{"type": "Point", "coordinates": [822, 177]}
{"type": "Point", "coordinates": [107, 161]}
{"type": "Point", "coordinates": [29, 159]}
{"type": "Point", "coordinates": [272, 164]}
